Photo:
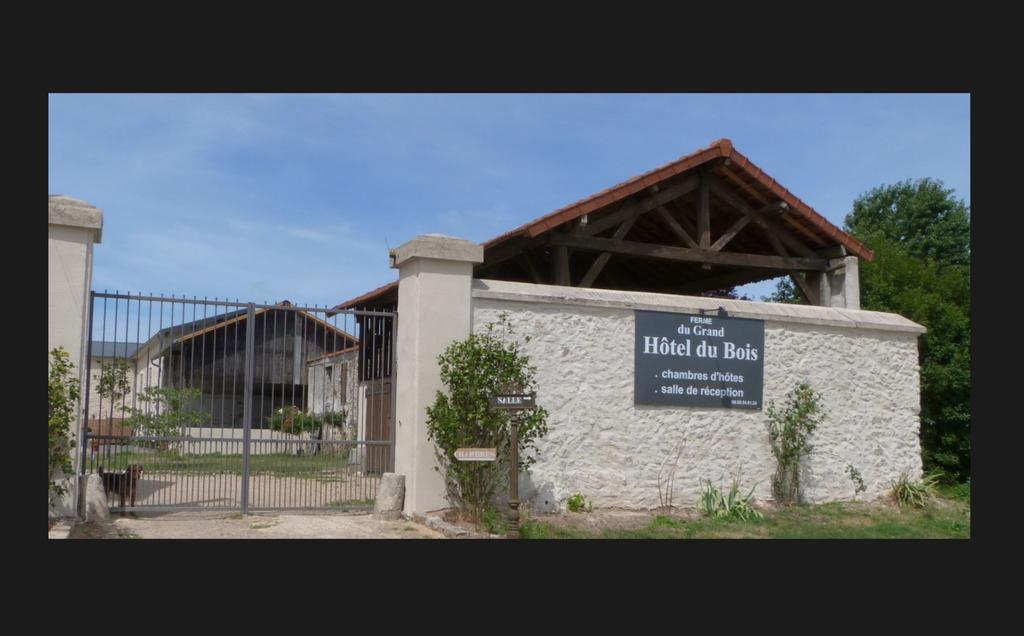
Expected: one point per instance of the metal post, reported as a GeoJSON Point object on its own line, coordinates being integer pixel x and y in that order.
{"type": "Point", "coordinates": [250, 339]}
{"type": "Point", "coordinates": [513, 500]}
{"type": "Point", "coordinates": [83, 430]}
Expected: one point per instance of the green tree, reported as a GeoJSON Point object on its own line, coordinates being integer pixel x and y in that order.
{"type": "Point", "coordinates": [114, 381]}
{"type": "Point", "coordinates": [785, 292]}
{"type": "Point", "coordinates": [62, 392]}
{"type": "Point", "coordinates": [921, 216]}
{"type": "Point", "coordinates": [920, 233]}
{"type": "Point", "coordinates": [937, 297]}
{"type": "Point", "coordinates": [165, 411]}
{"type": "Point", "coordinates": [486, 363]}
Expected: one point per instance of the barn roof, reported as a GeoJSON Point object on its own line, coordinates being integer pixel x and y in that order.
{"type": "Point", "coordinates": [739, 184]}
{"type": "Point", "coordinates": [178, 334]}
{"type": "Point", "coordinates": [108, 349]}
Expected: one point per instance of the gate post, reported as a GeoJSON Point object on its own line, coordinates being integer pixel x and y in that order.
{"type": "Point", "coordinates": [435, 275]}
{"type": "Point", "coordinates": [74, 227]}
{"type": "Point", "coordinates": [250, 340]}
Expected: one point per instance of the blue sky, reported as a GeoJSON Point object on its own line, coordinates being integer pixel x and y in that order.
{"type": "Point", "coordinates": [272, 197]}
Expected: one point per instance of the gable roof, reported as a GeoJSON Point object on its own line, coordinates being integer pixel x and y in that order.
{"type": "Point", "coordinates": [749, 183]}
{"type": "Point", "coordinates": [177, 334]}
{"type": "Point", "coordinates": [757, 184]}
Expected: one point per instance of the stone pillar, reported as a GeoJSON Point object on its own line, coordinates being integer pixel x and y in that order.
{"type": "Point", "coordinates": [74, 227]}
{"type": "Point", "coordinates": [840, 285]}
{"type": "Point", "coordinates": [435, 275]}
{"type": "Point", "coordinates": [851, 283]}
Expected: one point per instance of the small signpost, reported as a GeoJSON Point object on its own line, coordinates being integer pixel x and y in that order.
{"type": "Point", "coordinates": [476, 454]}
{"type": "Point", "coordinates": [515, 402]}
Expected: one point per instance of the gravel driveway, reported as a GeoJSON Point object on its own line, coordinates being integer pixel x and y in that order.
{"type": "Point", "coordinates": [218, 525]}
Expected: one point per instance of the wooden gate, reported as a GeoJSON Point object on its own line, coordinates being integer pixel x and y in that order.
{"type": "Point", "coordinates": [378, 424]}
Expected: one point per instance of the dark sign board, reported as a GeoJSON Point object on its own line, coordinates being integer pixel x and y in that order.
{"type": "Point", "coordinates": [698, 360]}
{"type": "Point", "coordinates": [514, 401]}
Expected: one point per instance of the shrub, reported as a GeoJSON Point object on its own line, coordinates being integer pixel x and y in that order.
{"type": "Point", "coordinates": [913, 493]}
{"type": "Point", "coordinates": [494, 521]}
{"type": "Point", "coordinates": [713, 503]}
{"type": "Point", "coordinates": [62, 392]}
{"type": "Point", "coordinates": [855, 477]}
{"type": "Point", "coordinates": [789, 432]}
{"type": "Point", "coordinates": [579, 503]}
{"type": "Point", "coordinates": [486, 363]}
{"type": "Point", "coordinates": [291, 419]}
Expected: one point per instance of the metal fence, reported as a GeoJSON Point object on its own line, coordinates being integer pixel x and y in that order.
{"type": "Point", "coordinates": [213, 404]}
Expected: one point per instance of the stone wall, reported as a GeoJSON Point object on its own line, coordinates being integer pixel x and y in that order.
{"type": "Point", "coordinates": [865, 365]}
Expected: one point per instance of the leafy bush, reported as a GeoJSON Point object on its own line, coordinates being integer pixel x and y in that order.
{"type": "Point", "coordinates": [914, 493]}
{"type": "Point", "coordinates": [291, 419]}
{"type": "Point", "coordinates": [484, 364]}
{"type": "Point", "coordinates": [960, 491]}
{"type": "Point", "coordinates": [713, 503]}
{"type": "Point", "coordinates": [494, 521]}
{"type": "Point", "coordinates": [579, 503]}
{"type": "Point", "coordinates": [789, 432]}
{"type": "Point", "coordinates": [62, 393]}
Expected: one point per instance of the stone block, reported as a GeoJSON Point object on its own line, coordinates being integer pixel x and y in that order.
{"type": "Point", "coordinates": [390, 497]}
{"type": "Point", "coordinates": [95, 507]}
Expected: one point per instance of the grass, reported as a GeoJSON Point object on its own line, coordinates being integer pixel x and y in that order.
{"type": "Point", "coordinates": [956, 492]}
{"type": "Point", "coordinates": [945, 519]}
{"type": "Point", "coordinates": [310, 466]}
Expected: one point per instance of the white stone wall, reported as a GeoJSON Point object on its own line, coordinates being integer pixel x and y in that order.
{"type": "Point", "coordinates": [864, 364]}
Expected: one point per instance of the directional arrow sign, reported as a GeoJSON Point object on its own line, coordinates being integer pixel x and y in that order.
{"type": "Point", "coordinates": [514, 401]}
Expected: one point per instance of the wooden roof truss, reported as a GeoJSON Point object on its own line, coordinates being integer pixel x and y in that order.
{"type": "Point", "coordinates": [708, 230]}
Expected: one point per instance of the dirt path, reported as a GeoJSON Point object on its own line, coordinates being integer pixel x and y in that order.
{"type": "Point", "coordinates": [212, 525]}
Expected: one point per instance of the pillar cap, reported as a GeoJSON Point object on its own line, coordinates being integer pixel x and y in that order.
{"type": "Point", "coordinates": [75, 213]}
{"type": "Point", "coordinates": [440, 247]}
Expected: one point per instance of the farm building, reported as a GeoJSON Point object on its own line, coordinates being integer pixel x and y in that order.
{"type": "Point", "coordinates": [654, 260]}
{"type": "Point", "coordinates": [299, 360]}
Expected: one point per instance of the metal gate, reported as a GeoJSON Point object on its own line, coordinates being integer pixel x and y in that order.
{"type": "Point", "coordinates": [197, 404]}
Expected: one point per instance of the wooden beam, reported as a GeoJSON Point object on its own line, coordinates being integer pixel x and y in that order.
{"type": "Point", "coordinates": [684, 218]}
{"type": "Point", "coordinates": [509, 249]}
{"type": "Point", "coordinates": [524, 260]}
{"type": "Point", "coordinates": [685, 254]}
{"type": "Point", "coordinates": [777, 245]}
{"type": "Point", "coordinates": [636, 208]}
{"type": "Point", "coordinates": [744, 185]}
{"type": "Point", "coordinates": [808, 291]}
{"type": "Point", "coordinates": [769, 225]}
{"type": "Point", "coordinates": [560, 263]}
{"type": "Point", "coordinates": [602, 258]}
{"type": "Point", "coordinates": [724, 239]}
{"type": "Point", "coordinates": [674, 225]}
{"type": "Point", "coordinates": [704, 212]}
